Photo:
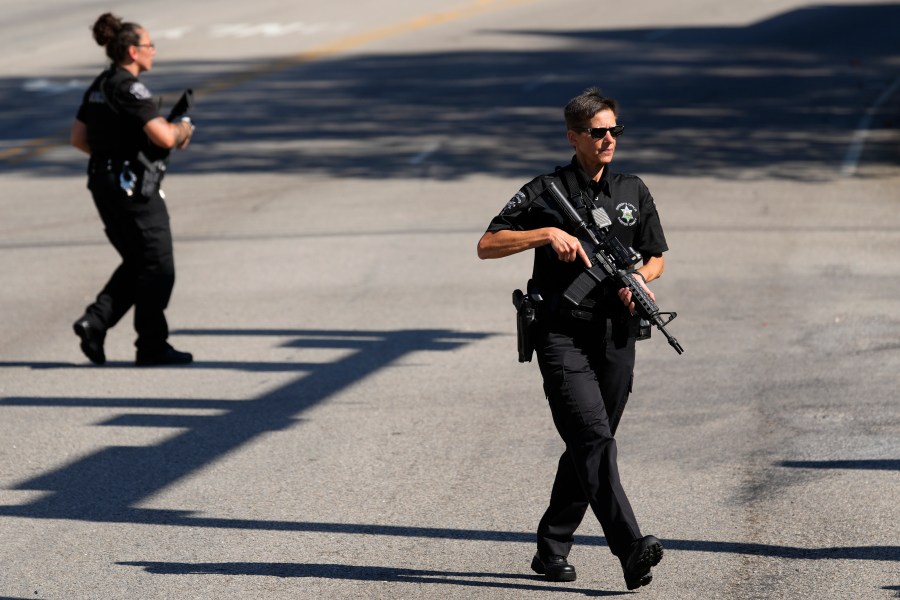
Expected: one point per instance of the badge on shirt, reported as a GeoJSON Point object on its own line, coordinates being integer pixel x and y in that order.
{"type": "Point", "coordinates": [627, 214]}
{"type": "Point", "coordinates": [139, 91]}
{"type": "Point", "coordinates": [514, 202]}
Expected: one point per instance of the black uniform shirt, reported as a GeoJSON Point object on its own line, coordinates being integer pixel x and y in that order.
{"type": "Point", "coordinates": [115, 109]}
{"type": "Point", "coordinates": [625, 198]}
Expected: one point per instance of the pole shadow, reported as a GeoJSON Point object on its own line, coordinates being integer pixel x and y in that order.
{"type": "Point", "coordinates": [107, 484]}
{"type": "Point", "coordinates": [367, 573]}
{"type": "Point", "coordinates": [859, 464]}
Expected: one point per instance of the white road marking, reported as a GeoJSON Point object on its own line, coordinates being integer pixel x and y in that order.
{"type": "Point", "coordinates": [851, 160]}
{"type": "Point", "coordinates": [52, 87]}
{"type": "Point", "coordinates": [174, 33]}
{"type": "Point", "coordinates": [422, 156]}
{"type": "Point", "coordinates": [245, 30]}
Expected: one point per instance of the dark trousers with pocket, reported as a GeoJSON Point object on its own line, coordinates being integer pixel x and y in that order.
{"type": "Point", "coordinates": [138, 229]}
{"type": "Point", "coordinates": [588, 370]}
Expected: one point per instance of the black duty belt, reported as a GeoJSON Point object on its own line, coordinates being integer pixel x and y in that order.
{"type": "Point", "coordinates": [99, 164]}
{"type": "Point", "coordinates": [586, 311]}
{"type": "Point", "coordinates": [586, 315]}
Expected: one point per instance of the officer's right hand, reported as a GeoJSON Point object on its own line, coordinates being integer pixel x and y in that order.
{"type": "Point", "coordinates": [567, 247]}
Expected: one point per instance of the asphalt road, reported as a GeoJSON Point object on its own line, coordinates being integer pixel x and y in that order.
{"type": "Point", "coordinates": [356, 424]}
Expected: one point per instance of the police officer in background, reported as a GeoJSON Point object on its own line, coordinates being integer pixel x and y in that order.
{"type": "Point", "coordinates": [119, 126]}
{"type": "Point", "coordinates": [585, 353]}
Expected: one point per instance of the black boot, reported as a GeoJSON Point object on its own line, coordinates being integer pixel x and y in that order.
{"type": "Point", "coordinates": [92, 338]}
{"type": "Point", "coordinates": [553, 567]}
{"type": "Point", "coordinates": [642, 554]}
{"type": "Point", "coordinates": [167, 355]}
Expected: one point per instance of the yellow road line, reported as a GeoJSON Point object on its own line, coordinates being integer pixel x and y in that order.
{"type": "Point", "coordinates": [33, 148]}
{"type": "Point", "coordinates": [40, 146]}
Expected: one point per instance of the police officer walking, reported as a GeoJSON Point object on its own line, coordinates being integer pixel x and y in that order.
{"type": "Point", "coordinates": [586, 353]}
{"type": "Point", "coordinates": [119, 126]}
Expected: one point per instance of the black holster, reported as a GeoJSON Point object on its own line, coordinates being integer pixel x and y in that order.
{"type": "Point", "coordinates": [526, 320]}
{"type": "Point", "coordinates": [152, 176]}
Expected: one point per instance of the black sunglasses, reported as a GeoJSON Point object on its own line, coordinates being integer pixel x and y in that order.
{"type": "Point", "coordinates": [598, 133]}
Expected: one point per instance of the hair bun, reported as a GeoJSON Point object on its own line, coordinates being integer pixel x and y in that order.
{"type": "Point", "coordinates": [106, 28]}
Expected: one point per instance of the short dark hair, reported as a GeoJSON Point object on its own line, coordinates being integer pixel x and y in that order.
{"type": "Point", "coordinates": [116, 36]}
{"type": "Point", "coordinates": [582, 108]}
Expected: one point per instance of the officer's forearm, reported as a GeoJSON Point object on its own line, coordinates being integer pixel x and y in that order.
{"type": "Point", "coordinates": [498, 244]}
{"type": "Point", "coordinates": [78, 136]}
{"type": "Point", "coordinates": [167, 135]}
{"type": "Point", "coordinates": [652, 268]}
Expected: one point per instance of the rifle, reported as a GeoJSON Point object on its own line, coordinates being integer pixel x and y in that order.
{"type": "Point", "coordinates": [154, 159]}
{"type": "Point", "coordinates": [610, 258]}
{"type": "Point", "coordinates": [183, 106]}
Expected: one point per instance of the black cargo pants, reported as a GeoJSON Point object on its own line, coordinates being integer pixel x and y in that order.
{"type": "Point", "coordinates": [138, 229]}
{"type": "Point", "coordinates": [588, 369]}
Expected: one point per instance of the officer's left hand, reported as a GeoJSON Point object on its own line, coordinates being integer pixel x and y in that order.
{"type": "Point", "coordinates": [189, 133]}
{"type": "Point", "coordinates": [625, 294]}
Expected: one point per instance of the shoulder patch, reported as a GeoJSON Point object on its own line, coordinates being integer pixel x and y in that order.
{"type": "Point", "coordinates": [514, 202]}
{"type": "Point", "coordinates": [139, 91]}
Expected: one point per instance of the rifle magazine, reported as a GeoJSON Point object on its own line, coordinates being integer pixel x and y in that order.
{"type": "Point", "coordinates": [578, 290]}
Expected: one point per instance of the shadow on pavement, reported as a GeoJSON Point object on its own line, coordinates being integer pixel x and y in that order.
{"type": "Point", "coordinates": [360, 573]}
{"type": "Point", "coordinates": [861, 464]}
{"type": "Point", "coordinates": [781, 97]}
{"type": "Point", "coordinates": [106, 485]}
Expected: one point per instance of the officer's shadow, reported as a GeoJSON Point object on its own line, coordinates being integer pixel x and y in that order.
{"type": "Point", "coordinates": [367, 573]}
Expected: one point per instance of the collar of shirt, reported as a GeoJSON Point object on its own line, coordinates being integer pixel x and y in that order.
{"type": "Point", "coordinates": [592, 188]}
